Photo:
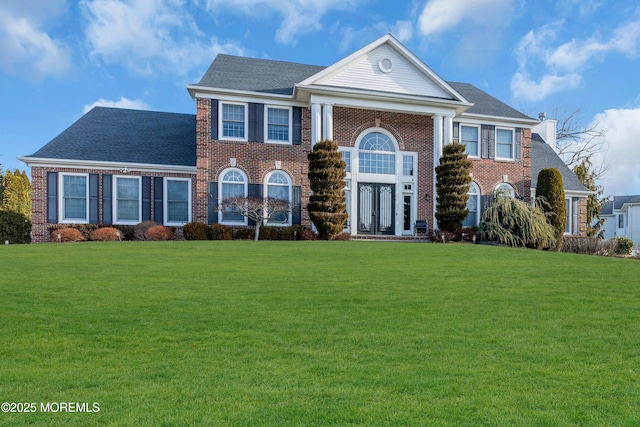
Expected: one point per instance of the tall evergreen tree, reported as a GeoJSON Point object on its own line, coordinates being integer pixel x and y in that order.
{"type": "Point", "coordinates": [550, 188]}
{"type": "Point", "coordinates": [327, 172]}
{"type": "Point", "coordinates": [595, 201]}
{"type": "Point", "coordinates": [16, 193]}
{"type": "Point", "coordinates": [453, 177]}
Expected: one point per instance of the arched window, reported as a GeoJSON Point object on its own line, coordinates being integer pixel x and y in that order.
{"type": "Point", "coordinates": [377, 154]}
{"type": "Point", "coordinates": [473, 204]}
{"type": "Point", "coordinates": [504, 189]}
{"type": "Point", "coordinates": [278, 186]}
{"type": "Point", "coordinates": [233, 184]}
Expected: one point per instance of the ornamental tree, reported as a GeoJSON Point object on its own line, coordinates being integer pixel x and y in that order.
{"type": "Point", "coordinates": [327, 172]}
{"type": "Point", "coordinates": [453, 177]}
{"type": "Point", "coordinates": [258, 209]}
{"type": "Point", "coordinates": [15, 193]}
{"type": "Point", "coordinates": [550, 198]}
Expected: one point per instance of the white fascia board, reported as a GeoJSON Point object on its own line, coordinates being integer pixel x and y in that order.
{"type": "Point", "coordinates": [392, 101]}
{"type": "Point", "coordinates": [484, 119]}
{"type": "Point", "coordinates": [241, 95]}
{"type": "Point", "coordinates": [116, 166]}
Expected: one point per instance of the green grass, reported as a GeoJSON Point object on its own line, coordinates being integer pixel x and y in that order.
{"type": "Point", "coordinates": [239, 333]}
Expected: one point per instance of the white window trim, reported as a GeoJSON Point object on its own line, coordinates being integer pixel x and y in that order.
{"type": "Point", "coordinates": [246, 192]}
{"type": "Point", "coordinates": [61, 199]}
{"type": "Point", "coordinates": [478, 142]}
{"type": "Point", "coordinates": [165, 202]}
{"type": "Point", "coordinates": [221, 136]}
{"type": "Point", "coordinates": [378, 177]}
{"type": "Point", "coordinates": [413, 164]}
{"type": "Point", "coordinates": [266, 125]}
{"type": "Point", "coordinates": [265, 191]}
{"type": "Point", "coordinates": [513, 143]}
{"type": "Point", "coordinates": [115, 200]}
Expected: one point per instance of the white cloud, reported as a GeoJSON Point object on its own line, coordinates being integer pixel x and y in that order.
{"type": "Point", "coordinates": [298, 16]}
{"type": "Point", "coordinates": [403, 30]}
{"type": "Point", "coordinates": [132, 104]}
{"type": "Point", "coordinates": [25, 48]}
{"type": "Point", "coordinates": [562, 64]}
{"type": "Point", "coordinates": [149, 36]}
{"type": "Point", "coordinates": [621, 127]}
{"type": "Point", "coordinates": [439, 16]}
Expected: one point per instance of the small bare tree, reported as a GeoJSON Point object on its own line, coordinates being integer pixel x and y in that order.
{"type": "Point", "coordinates": [261, 210]}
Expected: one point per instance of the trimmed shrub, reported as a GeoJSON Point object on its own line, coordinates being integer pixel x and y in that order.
{"type": "Point", "coordinates": [220, 232]}
{"type": "Point", "coordinates": [140, 230]}
{"type": "Point", "coordinates": [452, 186]}
{"type": "Point", "coordinates": [64, 235]}
{"type": "Point", "coordinates": [14, 227]}
{"type": "Point", "coordinates": [550, 189]}
{"type": "Point", "coordinates": [106, 234]}
{"type": "Point", "coordinates": [196, 231]}
{"type": "Point", "coordinates": [268, 232]}
{"type": "Point", "coordinates": [291, 233]}
{"type": "Point", "coordinates": [158, 232]}
{"type": "Point", "coordinates": [467, 234]}
{"type": "Point", "coordinates": [582, 245]}
{"type": "Point", "coordinates": [342, 236]}
{"type": "Point", "coordinates": [126, 231]}
{"type": "Point", "coordinates": [307, 234]}
{"type": "Point", "coordinates": [244, 234]}
{"type": "Point", "coordinates": [624, 246]}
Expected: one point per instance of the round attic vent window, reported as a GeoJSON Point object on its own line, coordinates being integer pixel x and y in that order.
{"type": "Point", "coordinates": [385, 65]}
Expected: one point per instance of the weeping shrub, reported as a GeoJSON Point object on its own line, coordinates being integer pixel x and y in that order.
{"type": "Point", "coordinates": [516, 223]}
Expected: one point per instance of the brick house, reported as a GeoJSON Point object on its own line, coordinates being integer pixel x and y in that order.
{"type": "Point", "coordinates": [256, 120]}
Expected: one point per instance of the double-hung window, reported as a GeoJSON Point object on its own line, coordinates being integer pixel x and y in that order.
{"type": "Point", "coordinates": [278, 129]}
{"type": "Point", "coordinates": [279, 187]}
{"type": "Point", "coordinates": [473, 205]}
{"type": "Point", "coordinates": [470, 136]}
{"type": "Point", "coordinates": [128, 206]}
{"type": "Point", "coordinates": [234, 121]}
{"type": "Point", "coordinates": [75, 200]}
{"type": "Point", "coordinates": [504, 144]}
{"type": "Point", "coordinates": [177, 196]}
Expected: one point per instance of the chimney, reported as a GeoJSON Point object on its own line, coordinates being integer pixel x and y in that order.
{"type": "Point", "coordinates": [546, 129]}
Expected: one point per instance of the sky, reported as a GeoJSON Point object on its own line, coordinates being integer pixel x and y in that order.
{"type": "Point", "coordinates": [59, 58]}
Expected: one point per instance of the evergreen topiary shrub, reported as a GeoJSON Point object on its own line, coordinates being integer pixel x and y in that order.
{"type": "Point", "coordinates": [550, 191]}
{"type": "Point", "coordinates": [624, 246]}
{"type": "Point", "coordinates": [196, 231]}
{"type": "Point", "coordinates": [453, 177]}
{"type": "Point", "coordinates": [64, 235]}
{"type": "Point", "coordinates": [14, 227]}
{"type": "Point", "coordinates": [159, 233]}
{"type": "Point", "coordinates": [220, 232]}
{"type": "Point", "coordinates": [106, 234]}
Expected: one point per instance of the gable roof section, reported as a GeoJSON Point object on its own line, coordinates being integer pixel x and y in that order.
{"type": "Point", "coordinates": [620, 201]}
{"type": "Point", "coordinates": [485, 104]}
{"type": "Point", "coordinates": [543, 156]}
{"type": "Point", "coordinates": [126, 136]}
{"type": "Point", "coordinates": [256, 75]}
{"type": "Point", "coordinates": [384, 65]}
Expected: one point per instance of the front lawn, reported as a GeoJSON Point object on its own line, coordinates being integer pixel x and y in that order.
{"type": "Point", "coordinates": [242, 333]}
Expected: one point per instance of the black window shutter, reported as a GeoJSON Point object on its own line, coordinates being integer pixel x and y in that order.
{"type": "Point", "coordinates": [254, 190]}
{"type": "Point", "coordinates": [296, 132]}
{"type": "Point", "coordinates": [106, 199]}
{"type": "Point", "coordinates": [484, 147]}
{"type": "Point", "coordinates": [93, 199]}
{"type": "Point", "coordinates": [456, 132]}
{"type": "Point", "coordinates": [158, 195]}
{"type": "Point", "coordinates": [212, 212]}
{"type": "Point", "coordinates": [296, 208]}
{"type": "Point", "coordinates": [146, 198]}
{"type": "Point", "coordinates": [214, 119]}
{"type": "Point", "coordinates": [518, 147]}
{"type": "Point", "coordinates": [256, 122]}
{"type": "Point", "coordinates": [52, 197]}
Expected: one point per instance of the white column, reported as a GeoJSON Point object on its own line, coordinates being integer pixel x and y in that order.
{"type": "Point", "coordinates": [437, 152]}
{"type": "Point", "coordinates": [448, 130]}
{"type": "Point", "coordinates": [316, 123]}
{"type": "Point", "coordinates": [327, 121]}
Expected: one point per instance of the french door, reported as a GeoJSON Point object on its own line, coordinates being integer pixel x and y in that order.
{"type": "Point", "coordinates": [376, 208]}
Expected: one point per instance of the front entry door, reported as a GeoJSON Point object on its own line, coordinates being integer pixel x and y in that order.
{"type": "Point", "coordinates": [376, 208]}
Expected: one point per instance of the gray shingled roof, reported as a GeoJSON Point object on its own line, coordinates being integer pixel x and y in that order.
{"type": "Point", "coordinates": [485, 104]}
{"type": "Point", "coordinates": [278, 77]}
{"type": "Point", "coordinates": [619, 201]}
{"type": "Point", "coordinates": [607, 208]}
{"type": "Point", "coordinates": [256, 75]}
{"type": "Point", "coordinates": [543, 156]}
{"type": "Point", "coordinates": [126, 136]}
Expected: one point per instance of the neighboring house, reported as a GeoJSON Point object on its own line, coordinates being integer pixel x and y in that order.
{"type": "Point", "coordinates": [622, 218]}
{"type": "Point", "coordinates": [256, 121]}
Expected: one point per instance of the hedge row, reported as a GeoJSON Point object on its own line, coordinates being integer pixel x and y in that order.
{"type": "Point", "coordinates": [200, 231]}
{"type": "Point", "coordinates": [146, 230]}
